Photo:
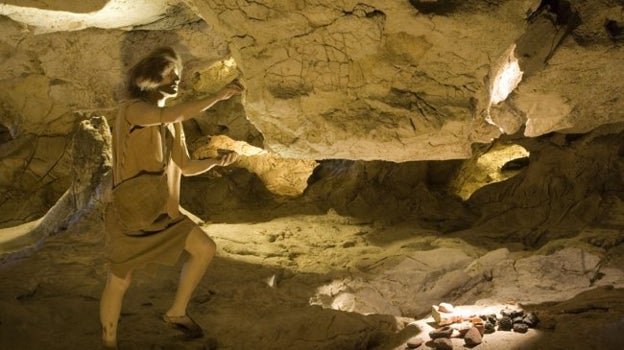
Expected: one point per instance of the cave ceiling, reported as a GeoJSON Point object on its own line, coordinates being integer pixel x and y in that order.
{"type": "Point", "coordinates": [368, 80]}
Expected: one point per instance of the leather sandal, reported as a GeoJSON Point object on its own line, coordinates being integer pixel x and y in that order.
{"type": "Point", "coordinates": [185, 324]}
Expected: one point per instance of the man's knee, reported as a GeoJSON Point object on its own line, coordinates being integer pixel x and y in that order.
{"type": "Point", "coordinates": [120, 283]}
{"type": "Point", "coordinates": [209, 245]}
{"type": "Point", "coordinates": [202, 245]}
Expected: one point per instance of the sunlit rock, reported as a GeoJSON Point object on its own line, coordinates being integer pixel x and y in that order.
{"type": "Point", "coordinates": [394, 155]}
{"type": "Point", "coordinates": [52, 16]}
{"type": "Point", "coordinates": [489, 167]}
{"type": "Point", "coordinates": [88, 191]}
{"type": "Point", "coordinates": [282, 176]}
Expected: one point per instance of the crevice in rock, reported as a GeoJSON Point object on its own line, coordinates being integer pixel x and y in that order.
{"type": "Point", "coordinates": [448, 7]}
{"type": "Point", "coordinates": [515, 164]}
{"type": "Point", "coordinates": [414, 102]}
{"type": "Point", "coordinates": [615, 29]}
{"type": "Point", "coordinates": [548, 25]}
{"type": "Point", "coordinates": [5, 135]}
{"type": "Point", "coordinates": [560, 12]}
{"type": "Point", "coordinates": [439, 7]}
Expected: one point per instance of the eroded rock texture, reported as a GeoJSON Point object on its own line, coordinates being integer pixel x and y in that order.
{"type": "Point", "coordinates": [413, 80]}
{"type": "Point", "coordinates": [340, 83]}
{"type": "Point", "coordinates": [395, 154]}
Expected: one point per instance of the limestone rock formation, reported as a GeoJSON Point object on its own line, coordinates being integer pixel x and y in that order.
{"type": "Point", "coordinates": [411, 80]}
{"type": "Point", "coordinates": [407, 80]}
{"type": "Point", "coordinates": [395, 154]}
{"type": "Point", "coordinates": [89, 190]}
{"type": "Point", "coordinates": [281, 176]}
{"type": "Point", "coordinates": [395, 81]}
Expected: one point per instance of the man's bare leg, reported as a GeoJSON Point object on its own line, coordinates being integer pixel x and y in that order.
{"type": "Point", "coordinates": [110, 306]}
{"type": "Point", "coordinates": [201, 249]}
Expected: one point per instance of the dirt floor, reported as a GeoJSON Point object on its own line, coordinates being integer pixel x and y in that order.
{"type": "Point", "coordinates": [319, 281]}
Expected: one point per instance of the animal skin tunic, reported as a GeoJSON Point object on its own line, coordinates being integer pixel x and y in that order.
{"type": "Point", "coordinates": [135, 149]}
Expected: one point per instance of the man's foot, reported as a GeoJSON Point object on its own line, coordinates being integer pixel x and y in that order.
{"type": "Point", "coordinates": [109, 345]}
{"type": "Point", "coordinates": [184, 324]}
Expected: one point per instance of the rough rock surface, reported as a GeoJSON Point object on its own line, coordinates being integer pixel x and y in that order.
{"type": "Point", "coordinates": [396, 81]}
{"type": "Point", "coordinates": [389, 80]}
{"type": "Point", "coordinates": [86, 195]}
{"type": "Point", "coordinates": [473, 337]}
{"type": "Point", "coordinates": [402, 113]}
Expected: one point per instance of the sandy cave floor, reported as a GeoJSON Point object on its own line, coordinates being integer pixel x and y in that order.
{"type": "Point", "coordinates": [257, 293]}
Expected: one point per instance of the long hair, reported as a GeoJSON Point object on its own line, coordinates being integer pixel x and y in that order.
{"type": "Point", "coordinates": [148, 73]}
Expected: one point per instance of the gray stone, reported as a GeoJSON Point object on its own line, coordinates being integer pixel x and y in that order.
{"type": "Point", "coordinates": [520, 328]}
{"type": "Point", "coordinates": [414, 342]}
{"type": "Point", "coordinates": [443, 332]}
{"type": "Point", "coordinates": [531, 320]}
{"type": "Point", "coordinates": [505, 324]}
{"type": "Point", "coordinates": [442, 344]}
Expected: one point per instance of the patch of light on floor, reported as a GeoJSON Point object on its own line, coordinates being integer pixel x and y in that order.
{"type": "Point", "coordinates": [498, 340]}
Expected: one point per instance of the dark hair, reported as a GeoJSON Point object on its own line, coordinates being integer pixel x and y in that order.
{"type": "Point", "coordinates": [148, 73]}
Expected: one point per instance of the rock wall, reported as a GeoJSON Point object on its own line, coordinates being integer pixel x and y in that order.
{"type": "Point", "coordinates": [404, 81]}
{"type": "Point", "coordinates": [51, 82]}
{"type": "Point", "coordinates": [329, 81]}
{"type": "Point", "coordinates": [571, 182]}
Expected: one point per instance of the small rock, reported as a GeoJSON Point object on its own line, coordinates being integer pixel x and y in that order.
{"type": "Point", "coordinates": [517, 313]}
{"type": "Point", "coordinates": [443, 332]}
{"type": "Point", "coordinates": [414, 342]}
{"type": "Point", "coordinates": [489, 327]}
{"type": "Point", "coordinates": [443, 318]}
{"type": "Point", "coordinates": [450, 320]}
{"type": "Point", "coordinates": [437, 315]}
{"type": "Point", "coordinates": [480, 327]}
{"type": "Point", "coordinates": [463, 327]}
{"type": "Point", "coordinates": [505, 324]}
{"type": "Point", "coordinates": [473, 337]}
{"type": "Point", "coordinates": [520, 327]}
{"type": "Point", "coordinates": [442, 344]}
{"type": "Point", "coordinates": [446, 307]}
{"type": "Point", "coordinates": [476, 320]}
{"type": "Point", "coordinates": [531, 320]}
{"type": "Point", "coordinates": [512, 313]}
{"type": "Point", "coordinates": [518, 320]}
{"type": "Point", "coordinates": [492, 319]}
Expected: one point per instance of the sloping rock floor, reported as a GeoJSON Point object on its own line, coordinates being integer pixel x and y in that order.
{"type": "Point", "coordinates": [320, 282]}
